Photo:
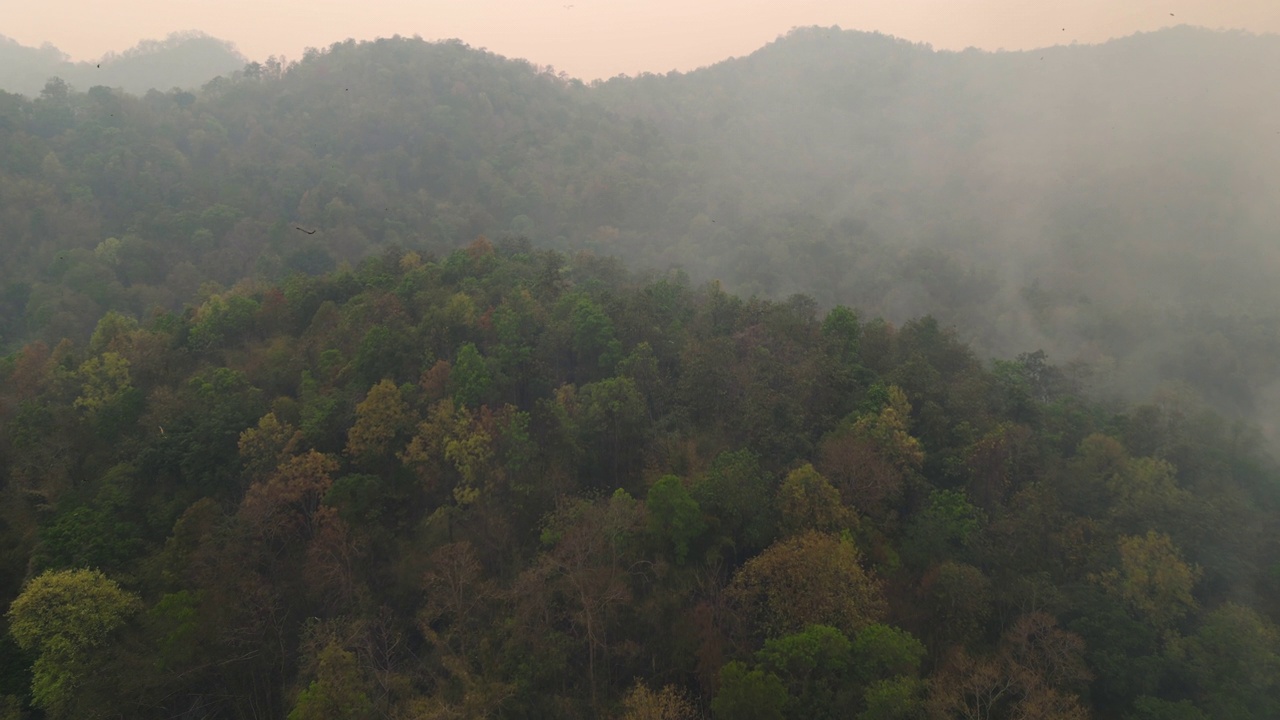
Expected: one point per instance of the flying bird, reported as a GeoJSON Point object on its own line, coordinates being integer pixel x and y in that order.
{"type": "Point", "coordinates": [309, 232]}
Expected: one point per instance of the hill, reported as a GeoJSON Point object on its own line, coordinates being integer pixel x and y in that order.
{"type": "Point", "coordinates": [1108, 204]}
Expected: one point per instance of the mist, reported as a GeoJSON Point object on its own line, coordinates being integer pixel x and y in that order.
{"type": "Point", "coordinates": [1113, 204]}
{"type": "Point", "coordinates": [184, 60]}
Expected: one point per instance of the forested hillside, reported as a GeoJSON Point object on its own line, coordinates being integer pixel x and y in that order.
{"type": "Point", "coordinates": [503, 484]}
{"type": "Point", "coordinates": [744, 412]}
{"type": "Point", "coordinates": [1112, 205]}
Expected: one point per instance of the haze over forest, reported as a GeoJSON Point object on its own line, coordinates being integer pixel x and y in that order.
{"type": "Point", "coordinates": [182, 60]}
{"type": "Point", "coordinates": [1110, 204]}
{"type": "Point", "coordinates": [349, 386]}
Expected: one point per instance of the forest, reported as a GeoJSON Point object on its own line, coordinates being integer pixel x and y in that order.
{"type": "Point", "coordinates": [846, 379]}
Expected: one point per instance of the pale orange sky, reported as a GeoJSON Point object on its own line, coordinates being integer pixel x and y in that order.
{"type": "Point", "coordinates": [602, 38]}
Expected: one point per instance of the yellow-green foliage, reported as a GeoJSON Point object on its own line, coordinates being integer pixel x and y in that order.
{"type": "Point", "coordinates": [64, 616]}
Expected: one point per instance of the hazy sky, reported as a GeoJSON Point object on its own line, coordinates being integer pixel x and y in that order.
{"type": "Point", "coordinates": [602, 38]}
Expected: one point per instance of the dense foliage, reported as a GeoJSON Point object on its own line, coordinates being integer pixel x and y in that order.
{"type": "Point", "coordinates": [506, 484]}
{"type": "Point", "coordinates": [282, 435]}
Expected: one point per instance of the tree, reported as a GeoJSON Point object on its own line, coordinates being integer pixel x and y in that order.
{"type": "Point", "coordinates": [1234, 659]}
{"type": "Point", "coordinates": [384, 353]}
{"type": "Point", "coordinates": [263, 447]}
{"type": "Point", "coordinates": [881, 651]}
{"type": "Point", "coordinates": [452, 449]}
{"type": "Point", "coordinates": [841, 331]}
{"type": "Point", "coordinates": [338, 691]}
{"type": "Point", "coordinates": [748, 694]}
{"type": "Point", "coordinates": [674, 515]}
{"type": "Point", "coordinates": [456, 591]}
{"type": "Point", "coordinates": [735, 492]}
{"type": "Point", "coordinates": [380, 418]}
{"type": "Point", "coordinates": [469, 377]}
{"type": "Point", "coordinates": [669, 703]}
{"type": "Point", "coordinates": [105, 378]}
{"type": "Point", "coordinates": [1153, 579]}
{"type": "Point", "coordinates": [814, 666]}
{"type": "Point", "coordinates": [810, 579]}
{"type": "Point", "coordinates": [944, 529]}
{"type": "Point", "coordinates": [612, 417]}
{"type": "Point", "coordinates": [285, 505]}
{"type": "Point", "coordinates": [994, 461]}
{"type": "Point", "coordinates": [67, 617]}
{"type": "Point", "coordinates": [596, 350]}
{"type": "Point", "coordinates": [958, 599]}
{"type": "Point", "coordinates": [897, 698]}
{"type": "Point", "coordinates": [584, 574]}
{"type": "Point", "coordinates": [870, 457]}
{"type": "Point", "coordinates": [220, 320]}
{"type": "Point", "coordinates": [806, 501]}
{"type": "Point", "coordinates": [1032, 676]}
{"type": "Point", "coordinates": [113, 330]}
{"type": "Point", "coordinates": [1146, 495]}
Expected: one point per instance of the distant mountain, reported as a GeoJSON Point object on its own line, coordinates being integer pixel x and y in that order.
{"type": "Point", "coordinates": [183, 60]}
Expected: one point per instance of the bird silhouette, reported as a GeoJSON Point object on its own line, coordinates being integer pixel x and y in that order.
{"type": "Point", "coordinates": [309, 232]}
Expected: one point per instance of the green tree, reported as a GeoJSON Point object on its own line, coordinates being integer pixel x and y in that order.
{"type": "Point", "coordinates": [814, 666]}
{"type": "Point", "coordinates": [945, 529]}
{"type": "Point", "coordinates": [1234, 659]}
{"type": "Point", "coordinates": [595, 346]}
{"type": "Point", "coordinates": [337, 693]}
{"type": "Point", "coordinates": [67, 617]}
{"type": "Point", "coordinates": [747, 694]}
{"type": "Point", "coordinates": [897, 698]}
{"type": "Point", "coordinates": [957, 597]}
{"type": "Point", "coordinates": [613, 418]}
{"type": "Point", "coordinates": [385, 353]}
{"type": "Point", "coordinates": [470, 378]}
{"type": "Point", "coordinates": [881, 651]}
{"type": "Point", "coordinates": [105, 379]}
{"type": "Point", "coordinates": [674, 516]}
{"type": "Point", "coordinates": [735, 492]}
{"type": "Point", "coordinates": [841, 331]}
